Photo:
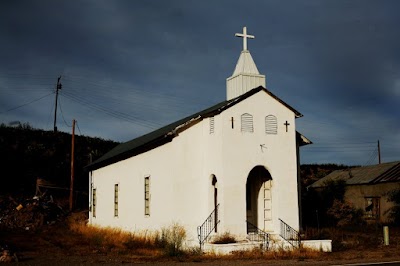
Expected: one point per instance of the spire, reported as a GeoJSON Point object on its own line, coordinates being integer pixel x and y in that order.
{"type": "Point", "coordinates": [245, 76]}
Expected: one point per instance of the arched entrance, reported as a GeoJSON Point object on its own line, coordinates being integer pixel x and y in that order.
{"type": "Point", "coordinates": [259, 198]}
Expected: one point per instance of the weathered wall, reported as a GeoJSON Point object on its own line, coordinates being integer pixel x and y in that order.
{"type": "Point", "coordinates": [356, 194]}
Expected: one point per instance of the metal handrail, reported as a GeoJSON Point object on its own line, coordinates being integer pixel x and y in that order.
{"type": "Point", "coordinates": [209, 225]}
{"type": "Point", "coordinates": [290, 235]}
{"type": "Point", "coordinates": [256, 234]}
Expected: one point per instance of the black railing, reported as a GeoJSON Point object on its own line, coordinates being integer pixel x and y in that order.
{"type": "Point", "coordinates": [209, 225]}
{"type": "Point", "coordinates": [256, 234]}
{"type": "Point", "coordinates": [290, 234]}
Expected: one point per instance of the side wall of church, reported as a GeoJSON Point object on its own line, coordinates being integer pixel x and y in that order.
{"type": "Point", "coordinates": [180, 181]}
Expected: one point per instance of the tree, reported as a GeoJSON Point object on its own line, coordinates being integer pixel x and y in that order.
{"type": "Point", "coordinates": [344, 213]}
{"type": "Point", "coordinates": [394, 211]}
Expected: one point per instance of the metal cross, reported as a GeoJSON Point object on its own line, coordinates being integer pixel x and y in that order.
{"type": "Point", "coordinates": [286, 124]}
{"type": "Point", "coordinates": [244, 36]}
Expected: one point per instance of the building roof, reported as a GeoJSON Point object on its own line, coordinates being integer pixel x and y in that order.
{"type": "Point", "coordinates": [167, 133]}
{"type": "Point", "coordinates": [302, 140]}
{"type": "Point", "coordinates": [372, 174]}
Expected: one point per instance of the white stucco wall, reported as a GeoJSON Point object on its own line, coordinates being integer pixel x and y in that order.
{"type": "Point", "coordinates": [242, 152]}
{"type": "Point", "coordinates": [180, 174]}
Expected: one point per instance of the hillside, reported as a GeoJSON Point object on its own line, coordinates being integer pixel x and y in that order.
{"type": "Point", "coordinates": [28, 154]}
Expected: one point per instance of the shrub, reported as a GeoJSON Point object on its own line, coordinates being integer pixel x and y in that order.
{"type": "Point", "coordinates": [345, 214]}
{"type": "Point", "coordinates": [225, 238]}
{"type": "Point", "coordinates": [394, 211]}
{"type": "Point", "coordinates": [171, 239]}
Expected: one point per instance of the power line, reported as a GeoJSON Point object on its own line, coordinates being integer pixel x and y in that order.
{"type": "Point", "coordinates": [78, 128]}
{"type": "Point", "coordinates": [372, 157]}
{"type": "Point", "coordinates": [62, 115]}
{"type": "Point", "coordinates": [116, 114]}
{"type": "Point", "coordinates": [25, 104]}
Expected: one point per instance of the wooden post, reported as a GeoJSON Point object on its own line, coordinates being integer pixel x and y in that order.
{"type": "Point", "coordinates": [71, 189]}
{"type": "Point", "coordinates": [379, 153]}
{"type": "Point", "coordinates": [58, 87]}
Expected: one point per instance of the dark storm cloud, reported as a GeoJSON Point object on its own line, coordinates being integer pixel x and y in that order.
{"type": "Point", "coordinates": [337, 62]}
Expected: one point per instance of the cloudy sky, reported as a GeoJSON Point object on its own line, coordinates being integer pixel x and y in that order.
{"type": "Point", "coordinates": [129, 67]}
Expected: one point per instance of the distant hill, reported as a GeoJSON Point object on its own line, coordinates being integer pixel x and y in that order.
{"type": "Point", "coordinates": [28, 153]}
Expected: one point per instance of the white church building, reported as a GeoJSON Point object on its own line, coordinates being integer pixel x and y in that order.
{"type": "Point", "coordinates": [233, 167]}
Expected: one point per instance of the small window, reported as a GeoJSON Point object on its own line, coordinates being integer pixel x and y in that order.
{"type": "Point", "coordinates": [116, 200]}
{"type": "Point", "coordinates": [94, 203]}
{"type": "Point", "coordinates": [147, 195]}
{"type": "Point", "coordinates": [247, 123]}
{"type": "Point", "coordinates": [372, 207]}
{"type": "Point", "coordinates": [211, 125]}
{"type": "Point", "coordinates": [271, 125]}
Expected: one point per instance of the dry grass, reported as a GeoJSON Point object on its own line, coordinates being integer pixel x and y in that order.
{"type": "Point", "coordinates": [171, 239]}
{"type": "Point", "coordinates": [168, 241]}
{"type": "Point", "coordinates": [259, 254]}
{"type": "Point", "coordinates": [225, 238]}
{"type": "Point", "coordinates": [115, 239]}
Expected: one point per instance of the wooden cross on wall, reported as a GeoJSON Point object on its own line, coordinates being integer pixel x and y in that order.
{"type": "Point", "coordinates": [286, 124]}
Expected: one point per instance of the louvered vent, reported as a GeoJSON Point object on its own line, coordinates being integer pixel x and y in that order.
{"type": "Point", "coordinates": [211, 125]}
{"type": "Point", "coordinates": [271, 124]}
{"type": "Point", "coordinates": [247, 123]}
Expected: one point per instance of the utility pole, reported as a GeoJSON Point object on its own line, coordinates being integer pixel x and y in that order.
{"type": "Point", "coordinates": [379, 153]}
{"type": "Point", "coordinates": [71, 189]}
{"type": "Point", "coordinates": [58, 87]}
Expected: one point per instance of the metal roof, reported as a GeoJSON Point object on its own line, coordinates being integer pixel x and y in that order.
{"type": "Point", "coordinates": [167, 133]}
{"type": "Point", "coordinates": [372, 174]}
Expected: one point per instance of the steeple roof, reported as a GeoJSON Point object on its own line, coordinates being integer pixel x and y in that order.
{"type": "Point", "coordinates": [245, 64]}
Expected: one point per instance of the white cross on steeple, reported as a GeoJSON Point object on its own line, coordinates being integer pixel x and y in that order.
{"type": "Point", "coordinates": [244, 36]}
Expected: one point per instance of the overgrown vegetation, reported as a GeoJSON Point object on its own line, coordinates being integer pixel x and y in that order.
{"type": "Point", "coordinates": [168, 241]}
{"type": "Point", "coordinates": [394, 211]}
{"type": "Point", "coordinates": [344, 213]}
{"type": "Point", "coordinates": [225, 238]}
{"type": "Point", "coordinates": [314, 205]}
{"type": "Point", "coordinates": [330, 207]}
{"type": "Point", "coordinates": [171, 239]}
{"type": "Point", "coordinates": [354, 237]}
{"type": "Point", "coordinates": [299, 254]}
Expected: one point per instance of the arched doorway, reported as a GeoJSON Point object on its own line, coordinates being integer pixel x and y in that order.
{"type": "Point", "coordinates": [259, 198]}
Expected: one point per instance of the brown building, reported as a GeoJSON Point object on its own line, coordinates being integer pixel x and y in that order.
{"type": "Point", "coordinates": [367, 187]}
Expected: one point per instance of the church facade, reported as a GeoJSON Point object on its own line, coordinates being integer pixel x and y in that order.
{"type": "Point", "coordinates": [231, 167]}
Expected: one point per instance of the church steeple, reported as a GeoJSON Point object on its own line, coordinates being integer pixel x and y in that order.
{"type": "Point", "coordinates": [245, 76]}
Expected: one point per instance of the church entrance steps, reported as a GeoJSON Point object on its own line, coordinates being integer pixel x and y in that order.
{"type": "Point", "coordinates": [276, 242]}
